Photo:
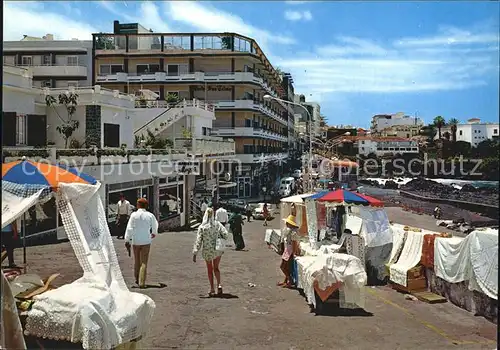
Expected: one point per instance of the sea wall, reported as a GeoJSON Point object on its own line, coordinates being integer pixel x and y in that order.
{"type": "Point", "coordinates": [460, 295]}
{"type": "Point", "coordinates": [486, 209]}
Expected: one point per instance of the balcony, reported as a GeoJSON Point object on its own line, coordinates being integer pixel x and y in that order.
{"type": "Point", "coordinates": [195, 78]}
{"type": "Point", "coordinates": [57, 70]}
{"type": "Point", "coordinates": [262, 158]}
{"type": "Point", "coordinates": [249, 132]}
{"type": "Point", "coordinates": [206, 147]}
{"type": "Point", "coordinates": [250, 105]}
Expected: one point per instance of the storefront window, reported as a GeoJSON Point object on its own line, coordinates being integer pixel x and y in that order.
{"type": "Point", "coordinates": [171, 201]}
{"type": "Point", "coordinates": [114, 197]}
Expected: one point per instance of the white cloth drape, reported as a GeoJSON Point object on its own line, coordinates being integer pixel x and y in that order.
{"type": "Point", "coordinates": [97, 310]}
{"type": "Point", "coordinates": [473, 259]}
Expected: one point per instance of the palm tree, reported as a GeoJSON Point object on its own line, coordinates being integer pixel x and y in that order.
{"type": "Point", "coordinates": [453, 122]}
{"type": "Point", "coordinates": [439, 122]}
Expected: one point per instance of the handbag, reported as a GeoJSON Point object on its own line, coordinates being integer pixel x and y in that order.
{"type": "Point", "coordinates": [220, 244]}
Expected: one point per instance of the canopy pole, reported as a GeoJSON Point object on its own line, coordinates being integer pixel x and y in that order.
{"type": "Point", "coordinates": [24, 240]}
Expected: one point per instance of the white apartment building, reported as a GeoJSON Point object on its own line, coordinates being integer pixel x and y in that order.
{"type": "Point", "coordinates": [384, 121]}
{"type": "Point", "coordinates": [473, 131]}
{"type": "Point", "coordinates": [110, 121]}
{"type": "Point", "coordinates": [227, 70]}
{"type": "Point", "coordinates": [384, 146]}
{"type": "Point", "coordinates": [54, 63]}
{"type": "Point", "coordinates": [302, 117]}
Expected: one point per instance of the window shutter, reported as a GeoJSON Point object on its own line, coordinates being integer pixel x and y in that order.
{"type": "Point", "coordinates": [8, 128]}
{"type": "Point", "coordinates": [37, 130]}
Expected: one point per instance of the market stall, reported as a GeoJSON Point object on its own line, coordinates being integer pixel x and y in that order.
{"type": "Point", "coordinates": [96, 311]}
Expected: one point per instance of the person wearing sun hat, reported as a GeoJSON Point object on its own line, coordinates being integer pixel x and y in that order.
{"type": "Point", "coordinates": [288, 235]}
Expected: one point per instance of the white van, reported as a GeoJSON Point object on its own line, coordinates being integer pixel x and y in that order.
{"type": "Point", "coordinates": [288, 181]}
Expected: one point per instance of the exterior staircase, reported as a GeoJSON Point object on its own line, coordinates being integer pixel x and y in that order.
{"type": "Point", "coordinates": [173, 114]}
{"type": "Point", "coordinates": [195, 215]}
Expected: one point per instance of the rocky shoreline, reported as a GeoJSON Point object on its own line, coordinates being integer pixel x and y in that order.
{"type": "Point", "coordinates": [427, 188]}
{"type": "Point", "coordinates": [433, 189]}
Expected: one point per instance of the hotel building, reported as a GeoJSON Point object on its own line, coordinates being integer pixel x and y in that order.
{"type": "Point", "coordinates": [54, 63]}
{"type": "Point", "coordinates": [227, 70]}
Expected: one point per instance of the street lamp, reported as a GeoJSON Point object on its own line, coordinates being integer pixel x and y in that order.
{"type": "Point", "coordinates": [269, 97]}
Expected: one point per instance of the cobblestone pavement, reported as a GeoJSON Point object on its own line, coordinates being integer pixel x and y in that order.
{"type": "Point", "coordinates": [265, 316]}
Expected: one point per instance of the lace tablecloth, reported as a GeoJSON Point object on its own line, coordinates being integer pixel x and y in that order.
{"type": "Point", "coordinates": [328, 269]}
{"type": "Point", "coordinates": [87, 311]}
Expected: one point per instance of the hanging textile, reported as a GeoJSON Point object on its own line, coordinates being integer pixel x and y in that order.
{"type": "Point", "coordinates": [311, 218]}
{"type": "Point", "coordinates": [97, 310]}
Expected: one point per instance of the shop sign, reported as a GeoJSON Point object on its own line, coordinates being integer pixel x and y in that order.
{"type": "Point", "coordinates": [187, 168]}
{"type": "Point", "coordinates": [244, 168]}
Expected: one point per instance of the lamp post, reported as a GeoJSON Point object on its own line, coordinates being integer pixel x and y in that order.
{"type": "Point", "coordinates": [269, 97]}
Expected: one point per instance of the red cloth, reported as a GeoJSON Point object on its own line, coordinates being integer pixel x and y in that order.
{"type": "Point", "coordinates": [427, 259]}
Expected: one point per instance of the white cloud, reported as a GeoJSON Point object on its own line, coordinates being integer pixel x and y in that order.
{"type": "Point", "coordinates": [298, 15]}
{"type": "Point", "coordinates": [148, 15]}
{"type": "Point", "coordinates": [359, 65]}
{"type": "Point", "coordinates": [209, 19]}
{"type": "Point", "coordinates": [32, 19]}
{"type": "Point", "coordinates": [450, 36]}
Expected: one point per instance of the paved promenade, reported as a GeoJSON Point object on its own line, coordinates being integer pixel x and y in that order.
{"type": "Point", "coordinates": [265, 316]}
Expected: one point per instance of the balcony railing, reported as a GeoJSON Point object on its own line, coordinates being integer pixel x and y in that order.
{"type": "Point", "coordinates": [249, 132]}
{"type": "Point", "coordinates": [182, 104]}
{"type": "Point", "coordinates": [91, 156]}
{"type": "Point", "coordinates": [250, 104]}
{"type": "Point", "coordinates": [206, 146]}
{"type": "Point", "coordinates": [196, 77]}
{"type": "Point", "coordinates": [180, 42]}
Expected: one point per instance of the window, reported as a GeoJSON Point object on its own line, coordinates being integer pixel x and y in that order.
{"type": "Point", "coordinates": [248, 123]}
{"type": "Point", "coordinates": [73, 84]}
{"type": "Point", "coordinates": [248, 149]}
{"type": "Point", "coordinates": [204, 131]}
{"type": "Point", "coordinates": [495, 131]}
{"type": "Point", "coordinates": [105, 69]}
{"type": "Point", "coordinates": [172, 69]}
{"type": "Point", "coordinates": [27, 60]}
{"type": "Point", "coordinates": [111, 135]}
{"type": "Point", "coordinates": [47, 60]}
{"type": "Point", "coordinates": [21, 128]}
{"type": "Point", "coordinates": [72, 60]}
{"type": "Point", "coordinates": [147, 68]}
{"type": "Point", "coordinates": [46, 84]}
{"type": "Point", "coordinates": [362, 142]}
{"type": "Point", "coordinates": [460, 133]}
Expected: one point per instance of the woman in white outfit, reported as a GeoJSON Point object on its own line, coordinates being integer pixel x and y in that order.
{"type": "Point", "coordinates": [206, 239]}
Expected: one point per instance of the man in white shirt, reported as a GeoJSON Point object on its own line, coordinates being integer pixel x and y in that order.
{"type": "Point", "coordinates": [122, 215]}
{"type": "Point", "coordinates": [141, 229]}
{"type": "Point", "coordinates": [221, 216]}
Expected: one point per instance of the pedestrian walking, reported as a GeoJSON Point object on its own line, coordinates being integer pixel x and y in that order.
{"type": "Point", "coordinates": [9, 237]}
{"type": "Point", "coordinates": [288, 235]}
{"type": "Point", "coordinates": [221, 216]}
{"type": "Point", "coordinates": [122, 215]}
{"type": "Point", "coordinates": [141, 229]}
{"type": "Point", "coordinates": [248, 211]}
{"type": "Point", "coordinates": [236, 225]}
{"type": "Point", "coordinates": [265, 212]}
{"type": "Point", "coordinates": [209, 233]}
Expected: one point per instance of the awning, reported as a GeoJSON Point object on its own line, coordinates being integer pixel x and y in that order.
{"type": "Point", "coordinates": [228, 185]}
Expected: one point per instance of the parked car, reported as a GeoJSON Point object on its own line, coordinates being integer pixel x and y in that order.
{"type": "Point", "coordinates": [235, 205]}
{"type": "Point", "coordinates": [258, 212]}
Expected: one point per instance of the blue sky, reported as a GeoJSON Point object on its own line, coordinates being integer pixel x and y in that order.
{"type": "Point", "coordinates": [355, 58]}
